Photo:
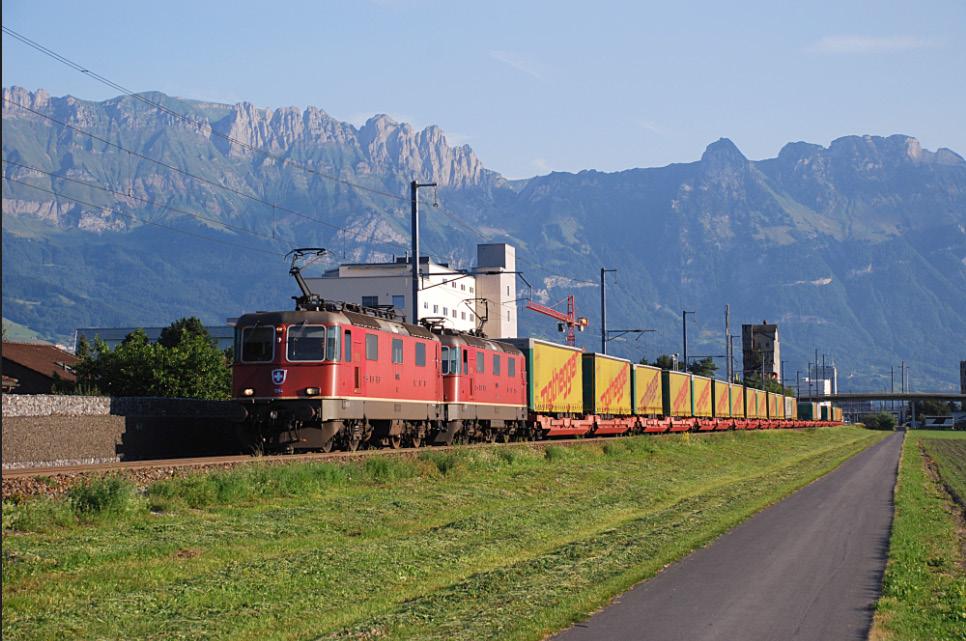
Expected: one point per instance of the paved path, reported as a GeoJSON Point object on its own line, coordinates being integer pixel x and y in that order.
{"type": "Point", "coordinates": [806, 569]}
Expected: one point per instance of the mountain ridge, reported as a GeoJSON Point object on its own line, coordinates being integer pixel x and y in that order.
{"type": "Point", "coordinates": [830, 240]}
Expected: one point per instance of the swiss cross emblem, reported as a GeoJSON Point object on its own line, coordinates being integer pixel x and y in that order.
{"type": "Point", "coordinates": [278, 376]}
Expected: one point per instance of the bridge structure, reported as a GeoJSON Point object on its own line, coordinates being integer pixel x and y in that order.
{"type": "Point", "coordinates": [903, 397]}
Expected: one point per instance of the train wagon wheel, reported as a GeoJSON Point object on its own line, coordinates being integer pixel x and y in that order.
{"type": "Point", "coordinates": [328, 445]}
{"type": "Point", "coordinates": [395, 441]}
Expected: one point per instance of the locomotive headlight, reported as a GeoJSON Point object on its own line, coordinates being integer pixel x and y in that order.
{"type": "Point", "coordinates": [248, 391]}
{"type": "Point", "coordinates": [311, 391]}
{"type": "Point", "coordinates": [273, 414]}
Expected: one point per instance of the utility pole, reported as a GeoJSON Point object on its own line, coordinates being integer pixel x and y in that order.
{"type": "Point", "coordinates": [728, 340]}
{"type": "Point", "coordinates": [414, 226]}
{"type": "Point", "coordinates": [731, 362]}
{"type": "Point", "coordinates": [684, 329]}
{"type": "Point", "coordinates": [798, 384]}
{"type": "Point", "coordinates": [603, 310]}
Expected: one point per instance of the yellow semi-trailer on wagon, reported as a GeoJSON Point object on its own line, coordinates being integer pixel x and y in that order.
{"type": "Point", "coordinates": [677, 394]}
{"type": "Point", "coordinates": [607, 393]}
{"type": "Point", "coordinates": [701, 392]}
{"type": "Point", "coordinates": [737, 400]}
{"type": "Point", "coordinates": [722, 399]}
{"type": "Point", "coordinates": [757, 403]}
{"type": "Point", "coordinates": [648, 399]}
{"type": "Point", "coordinates": [554, 376]}
{"type": "Point", "coordinates": [776, 406]}
{"type": "Point", "coordinates": [607, 385]}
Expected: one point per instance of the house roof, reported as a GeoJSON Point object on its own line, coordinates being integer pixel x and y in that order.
{"type": "Point", "coordinates": [43, 358]}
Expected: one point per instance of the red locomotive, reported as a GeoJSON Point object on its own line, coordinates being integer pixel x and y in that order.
{"type": "Point", "coordinates": [338, 375]}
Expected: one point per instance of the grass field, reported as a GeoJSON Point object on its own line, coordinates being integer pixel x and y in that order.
{"type": "Point", "coordinates": [924, 588]}
{"type": "Point", "coordinates": [492, 543]}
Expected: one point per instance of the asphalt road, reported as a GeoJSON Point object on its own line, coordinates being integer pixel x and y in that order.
{"type": "Point", "coordinates": [806, 569]}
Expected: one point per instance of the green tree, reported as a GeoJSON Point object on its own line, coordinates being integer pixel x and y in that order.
{"type": "Point", "coordinates": [191, 367]}
{"type": "Point", "coordinates": [932, 407]}
{"type": "Point", "coordinates": [181, 329]}
{"type": "Point", "coordinates": [769, 385]}
{"type": "Point", "coordinates": [663, 361]}
{"type": "Point", "coordinates": [704, 367]}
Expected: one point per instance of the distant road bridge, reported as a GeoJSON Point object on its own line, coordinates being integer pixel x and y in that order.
{"type": "Point", "coordinates": [886, 396]}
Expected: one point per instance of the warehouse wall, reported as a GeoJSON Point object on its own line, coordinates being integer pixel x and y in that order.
{"type": "Point", "coordinates": [69, 430]}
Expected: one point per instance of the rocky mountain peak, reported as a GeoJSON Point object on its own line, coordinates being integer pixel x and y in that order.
{"type": "Point", "coordinates": [723, 152]}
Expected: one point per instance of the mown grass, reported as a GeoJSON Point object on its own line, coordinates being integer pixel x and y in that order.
{"type": "Point", "coordinates": [924, 588]}
{"type": "Point", "coordinates": [490, 543]}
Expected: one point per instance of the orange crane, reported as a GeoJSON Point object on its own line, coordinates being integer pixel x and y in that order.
{"type": "Point", "coordinates": [568, 322]}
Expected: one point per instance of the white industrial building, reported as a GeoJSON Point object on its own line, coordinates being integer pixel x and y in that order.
{"type": "Point", "coordinates": [465, 300]}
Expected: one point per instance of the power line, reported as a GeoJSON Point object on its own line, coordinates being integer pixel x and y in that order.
{"type": "Point", "coordinates": [145, 221]}
{"type": "Point", "coordinates": [143, 200]}
{"type": "Point", "coordinates": [189, 119]}
{"type": "Point", "coordinates": [173, 168]}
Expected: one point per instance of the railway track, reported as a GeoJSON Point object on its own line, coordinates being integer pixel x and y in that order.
{"type": "Point", "coordinates": [55, 480]}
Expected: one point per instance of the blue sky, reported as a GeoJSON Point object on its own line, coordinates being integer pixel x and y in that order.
{"type": "Point", "coordinates": [535, 87]}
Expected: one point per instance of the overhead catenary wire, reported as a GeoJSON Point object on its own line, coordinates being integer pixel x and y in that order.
{"type": "Point", "coordinates": [139, 199]}
{"type": "Point", "coordinates": [146, 221]}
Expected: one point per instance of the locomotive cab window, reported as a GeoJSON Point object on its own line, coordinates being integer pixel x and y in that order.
{"type": "Point", "coordinates": [306, 343]}
{"type": "Point", "coordinates": [511, 367]}
{"type": "Point", "coordinates": [397, 351]}
{"type": "Point", "coordinates": [258, 344]}
{"type": "Point", "coordinates": [480, 367]}
{"type": "Point", "coordinates": [496, 364]}
{"type": "Point", "coordinates": [420, 354]}
{"type": "Point", "coordinates": [451, 363]}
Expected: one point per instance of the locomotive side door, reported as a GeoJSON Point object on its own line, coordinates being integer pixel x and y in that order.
{"type": "Point", "coordinates": [352, 355]}
{"type": "Point", "coordinates": [467, 382]}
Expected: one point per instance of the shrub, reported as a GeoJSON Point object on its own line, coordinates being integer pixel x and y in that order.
{"type": "Point", "coordinates": [101, 496]}
{"type": "Point", "coordinates": [880, 421]}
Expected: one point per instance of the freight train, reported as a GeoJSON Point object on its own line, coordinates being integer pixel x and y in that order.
{"type": "Point", "coordinates": [339, 376]}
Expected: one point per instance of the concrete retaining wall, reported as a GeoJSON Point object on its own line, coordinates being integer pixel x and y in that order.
{"type": "Point", "coordinates": [47, 430]}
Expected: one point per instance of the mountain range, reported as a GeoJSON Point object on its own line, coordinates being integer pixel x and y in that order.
{"type": "Point", "coordinates": [857, 249]}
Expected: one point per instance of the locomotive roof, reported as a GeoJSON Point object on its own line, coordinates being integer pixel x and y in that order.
{"type": "Point", "coordinates": [478, 342]}
{"type": "Point", "coordinates": [342, 317]}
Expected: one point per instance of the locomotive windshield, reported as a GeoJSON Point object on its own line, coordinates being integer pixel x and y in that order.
{"type": "Point", "coordinates": [258, 344]}
{"type": "Point", "coordinates": [306, 343]}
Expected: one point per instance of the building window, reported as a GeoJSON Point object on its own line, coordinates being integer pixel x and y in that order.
{"type": "Point", "coordinates": [454, 313]}
{"type": "Point", "coordinates": [421, 354]}
{"type": "Point", "coordinates": [463, 314]}
{"type": "Point", "coordinates": [399, 302]}
{"type": "Point", "coordinates": [479, 363]}
{"type": "Point", "coordinates": [372, 347]}
{"type": "Point", "coordinates": [471, 315]}
{"type": "Point", "coordinates": [471, 289]}
{"type": "Point", "coordinates": [435, 309]}
{"type": "Point", "coordinates": [453, 284]}
{"type": "Point", "coordinates": [370, 301]}
{"type": "Point", "coordinates": [425, 305]}
{"type": "Point", "coordinates": [511, 367]}
{"type": "Point", "coordinates": [507, 290]}
{"type": "Point", "coordinates": [445, 311]}
{"type": "Point", "coordinates": [496, 364]}
{"type": "Point", "coordinates": [397, 350]}
{"type": "Point", "coordinates": [463, 286]}
{"type": "Point", "coordinates": [508, 315]}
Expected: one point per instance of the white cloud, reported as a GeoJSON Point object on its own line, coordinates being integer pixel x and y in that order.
{"type": "Point", "coordinates": [869, 44]}
{"type": "Point", "coordinates": [520, 62]}
{"type": "Point", "coordinates": [818, 282]}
